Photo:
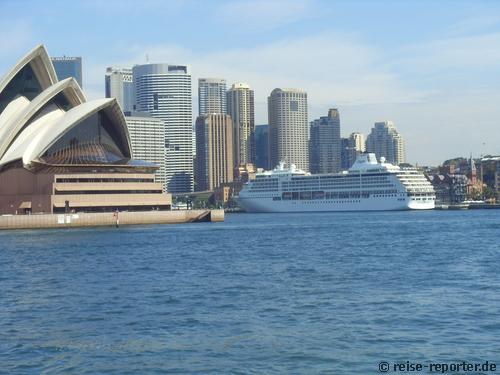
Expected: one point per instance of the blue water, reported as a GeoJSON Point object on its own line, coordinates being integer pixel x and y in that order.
{"type": "Point", "coordinates": [329, 293]}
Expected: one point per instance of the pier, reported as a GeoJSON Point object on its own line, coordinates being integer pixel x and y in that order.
{"type": "Point", "coordinates": [74, 220]}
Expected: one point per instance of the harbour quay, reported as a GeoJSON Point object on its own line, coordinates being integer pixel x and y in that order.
{"type": "Point", "coordinates": [92, 219]}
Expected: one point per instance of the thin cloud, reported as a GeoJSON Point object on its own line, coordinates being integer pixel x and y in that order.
{"type": "Point", "coordinates": [474, 25]}
{"type": "Point", "coordinates": [331, 67]}
{"type": "Point", "coordinates": [265, 15]}
{"type": "Point", "coordinates": [17, 38]}
{"type": "Point", "coordinates": [475, 52]}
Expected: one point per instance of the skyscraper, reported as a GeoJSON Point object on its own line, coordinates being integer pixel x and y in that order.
{"type": "Point", "coordinates": [344, 154]}
{"type": "Point", "coordinates": [66, 67]}
{"type": "Point", "coordinates": [119, 85]}
{"type": "Point", "coordinates": [356, 146]}
{"type": "Point", "coordinates": [262, 146]}
{"type": "Point", "coordinates": [214, 151]}
{"type": "Point", "coordinates": [324, 146]}
{"type": "Point", "coordinates": [147, 138]}
{"type": "Point", "coordinates": [164, 91]}
{"type": "Point", "coordinates": [288, 128]}
{"type": "Point", "coordinates": [211, 95]}
{"type": "Point", "coordinates": [385, 141]}
{"type": "Point", "coordinates": [240, 106]}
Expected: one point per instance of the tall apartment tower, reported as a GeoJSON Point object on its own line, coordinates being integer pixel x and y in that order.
{"type": "Point", "coordinates": [240, 106]}
{"type": "Point", "coordinates": [66, 67]}
{"type": "Point", "coordinates": [324, 145]}
{"type": "Point", "coordinates": [164, 91]}
{"type": "Point", "coordinates": [119, 84]}
{"type": "Point", "coordinates": [356, 146]}
{"type": "Point", "coordinates": [214, 151]}
{"type": "Point", "coordinates": [147, 138]}
{"type": "Point", "coordinates": [211, 95]}
{"type": "Point", "coordinates": [385, 141]}
{"type": "Point", "coordinates": [288, 128]}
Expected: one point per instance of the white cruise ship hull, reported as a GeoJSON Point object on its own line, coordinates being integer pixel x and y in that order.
{"type": "Point", "coordinates": [367, 186]}
{"type": "Point", "coordinates": [369, 204]}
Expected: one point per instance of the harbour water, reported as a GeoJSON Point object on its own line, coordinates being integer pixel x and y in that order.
{"type": "Point", "coordinates": [324, 293]}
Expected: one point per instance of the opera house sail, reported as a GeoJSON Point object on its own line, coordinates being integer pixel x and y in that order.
{"type": "Point", "coordinates": [62, 153]}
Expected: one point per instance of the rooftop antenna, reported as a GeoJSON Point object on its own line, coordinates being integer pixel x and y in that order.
{"type": "Point", "coordinates": [147, 58]}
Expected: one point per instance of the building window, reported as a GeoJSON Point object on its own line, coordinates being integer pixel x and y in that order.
{"type": "Point", "coordinates": [155, 101]}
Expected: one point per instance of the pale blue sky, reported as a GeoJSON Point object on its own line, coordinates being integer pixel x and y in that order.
{"type": "Point", "coordinates": [433, 67]}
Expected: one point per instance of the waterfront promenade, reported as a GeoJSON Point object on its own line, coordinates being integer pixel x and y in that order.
{"type": "Point", "coordinates": [108, 219]}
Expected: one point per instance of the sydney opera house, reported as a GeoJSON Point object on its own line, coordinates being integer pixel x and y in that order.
{"type": "Point", "coordinates": [62, 153]}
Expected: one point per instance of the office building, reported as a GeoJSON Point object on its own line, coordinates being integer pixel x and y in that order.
{"type": "Point", "coordinates": [356, 146]}
{"type": "Point", "coordinates": [211, 96]}
{"type": "Point", "coordinates": [164, 91]}
{"type": "Point", "coordinates": [385, 141]}
{"type": "Point", "coordinates": [240, 106]}
{"type": "Point", "coordinates": [147, 138]}
{"type": "Point", "coordinates": [66, 67]}
{"type": "Point", "coordinates": [214, 151]}
{"type": "Point", "coordinates": [262, 146]}
{"type": "Point", "coordinates": [288, 128]}
{"type": "Point", "coordinates": [61, 153]}
{"type": "Point", "coordinates": [324, 146]}
{"type": "Point", "coordinates": [344, 154]}
{"type": "Point", "coordinates": [119, 85]}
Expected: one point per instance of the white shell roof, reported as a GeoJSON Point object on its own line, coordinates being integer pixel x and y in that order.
{"type": "Point", "coordinates": [24, 140]}
{"type": "Point", "coordinates": [24, 137]}
{"type": "Point", "coordinates": [11, 126]}
{"type": "Point", "coordinates": [41, 64]}
{"type": "Point", "coordinates": [54, 130]}
{"type": "Point", "coordinates": [13, 109]}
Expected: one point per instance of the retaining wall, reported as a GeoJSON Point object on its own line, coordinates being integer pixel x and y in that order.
{"type": "Point", "coordinates": [108, 218]}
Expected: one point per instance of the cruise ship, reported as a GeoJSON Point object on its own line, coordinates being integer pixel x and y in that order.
{"type": "Point", "coordinates": [368, 185]}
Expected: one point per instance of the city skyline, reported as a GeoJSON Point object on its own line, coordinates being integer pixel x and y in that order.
{"type": "Point", "coordinates": [436, 77]}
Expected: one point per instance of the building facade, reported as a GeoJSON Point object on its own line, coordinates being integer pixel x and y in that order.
{"type": "Point", "coordinates": [214, 151]}
{"type": "Point", "coordinates": [325, 146]}
{"type": "Point", "coordinates": [119, 84]}
{"type": "Point", "coordinates": [385, 141]}
{"type": "Point", "coordinates": [211, 96]}
{"type": "Point", "coordinates": [357, 146]}
{"type": "Point", "coordinates": [449, 188]}
{"type": "Point", "coordinates": [288, 128]}
{"type": "Point", "coordinates": [61, 153]}
{"type": "Point", "coordinates": [164, 91]}
{"type": "Point", "coordinates": [490, 175]}
{"type": "Point", "coordinates": [67, 67]}
{"type": "Point", "coordinates": [344, 154]}
{"type": "Point", "coordinates": [240, 106]}
{"type": "Point", "coordinates": [147, 138]}
{"type": "Point", "coordinates": [262, 146]}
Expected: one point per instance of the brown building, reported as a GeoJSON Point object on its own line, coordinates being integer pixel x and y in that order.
{"type": "Point", "coordinates": [214, 151]}
{"type": "Point", "coordinates": [61, 153]}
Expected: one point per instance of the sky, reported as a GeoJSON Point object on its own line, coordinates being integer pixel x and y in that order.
{"type": "Point", "coordinates": [432, 67]}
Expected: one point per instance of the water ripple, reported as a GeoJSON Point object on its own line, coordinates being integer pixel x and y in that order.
{"type": "Point", "coordinates": [301, 294]}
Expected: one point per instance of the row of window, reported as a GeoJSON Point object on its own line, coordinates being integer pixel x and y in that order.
{"type": "Point", "coordinates": [92, 192]}
{"type": "Point", "coordinates": [314, 195]}
{"type": "Point", "coordinates": [77, 180]}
